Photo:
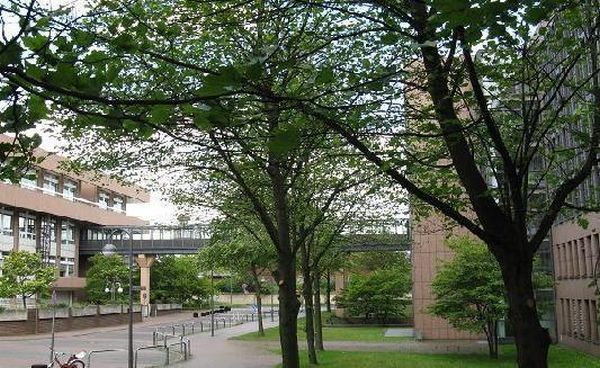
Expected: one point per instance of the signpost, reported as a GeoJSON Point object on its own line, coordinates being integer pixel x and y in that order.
{"type": "Point", "coordinates": [53, 318]}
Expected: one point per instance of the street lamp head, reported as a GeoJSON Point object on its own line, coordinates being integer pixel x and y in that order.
{"type": "Point", "coordinates": [109, 250]}
{"type": "Point", "coordinates": [120, 289]}
{"type": "Point", "coordinates": [106, 290]}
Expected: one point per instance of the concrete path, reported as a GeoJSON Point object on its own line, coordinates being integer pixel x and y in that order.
{"type": "Point", "coordinates": [207, 351]}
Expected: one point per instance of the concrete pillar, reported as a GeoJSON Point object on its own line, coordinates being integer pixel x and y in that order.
{"type": "Point", "coordinates": [341, 281]}
{"type": "Point", "coordinates": [144, 262]}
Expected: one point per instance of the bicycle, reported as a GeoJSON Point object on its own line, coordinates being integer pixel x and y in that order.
{"type": "Point", "coordinates": [74, 361]}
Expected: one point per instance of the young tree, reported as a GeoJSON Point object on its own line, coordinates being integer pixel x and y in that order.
{"type": "Point", "coordinates": [377, 289]}
{"type": "Point", "coordinates": [106, 272]}
{"type": "Point", "coordinates": [243, 251]}
{"type": "Point", "coordinates": [175, 279]}
{"type": "Point", "coordinates": [24, 274]}
{"type": "Point", "coordinates": [473, 137]}
{"type": "Point", "coordinates": [469, 292]}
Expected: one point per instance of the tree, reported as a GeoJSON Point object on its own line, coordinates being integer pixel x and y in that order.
{"type": "Point", "coordinates": [244, 252]}
{"type": "Point", "coordinates": [392, 84]}
{"type": "Point", "coordinates": [479, 153]}
{"type": "Point", "coordinates": [468, 291]}
{"type": "Point", "coordinates": [378, 292]}
{"type": "Point", "coordinates": [24, 274]}
{"type": "Point", "coordinates": [174, 279]}
{"type": "Point", "coordinates": [106, 272]}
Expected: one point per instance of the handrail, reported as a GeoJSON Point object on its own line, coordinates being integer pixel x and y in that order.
{"type": "Point", "coordinates": [148, 347]}
{"type": "Point", "coordinates": [90, 353]}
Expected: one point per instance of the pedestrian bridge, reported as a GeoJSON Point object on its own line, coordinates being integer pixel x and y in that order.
{"type": "Point", "coordinates": [161, 240]}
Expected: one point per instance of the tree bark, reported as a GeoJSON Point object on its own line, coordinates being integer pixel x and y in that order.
{"type": "Point", "coordinates": [318, 315]}
{"type": "Point", "coordinates": [531, 339]}
{"type": "Point", "coordinates": [288, 312]}
{"type": "Point", "coordinates": [328, 292]}
{"type": "Point", "coordinates": [261, 329]}
{"type": "Point", "coordinates": [307, 293]}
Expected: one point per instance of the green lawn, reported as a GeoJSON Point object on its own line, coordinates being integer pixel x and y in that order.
{"type": "Point", "coordinates": [560, 357]}
{"type": "Point", "coordinates": [370, 334]}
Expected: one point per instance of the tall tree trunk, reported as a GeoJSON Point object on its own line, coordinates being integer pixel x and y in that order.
{"type": "Point", "coordinates": [318, 315]}
{"type": "Point", "coordinates": [531, 339]}
{"type": "Point", "coordinates": [492, 338]}
{"type": "Point", "coordinates": [328, 292]}
{"type": "Point", "coordinates": [307, 293]}
{"type": "Point", "coordinates": [261, 329]}
{"type": "Point", "coordinates": [288, 311]}
{"type": "Point", "coordinates": [24, 298]}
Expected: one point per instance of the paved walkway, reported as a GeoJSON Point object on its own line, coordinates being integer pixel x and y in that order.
{"type": "Point", "coordinates": [214, 352]}
{"type": "Point", "coordinates": [207, 351]}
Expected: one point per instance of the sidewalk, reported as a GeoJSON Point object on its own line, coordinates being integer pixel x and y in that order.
{"type": "Point", "coordinates": [214, 352]}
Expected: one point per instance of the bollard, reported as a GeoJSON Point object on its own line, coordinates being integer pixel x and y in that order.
{"type": "Point", "coordinates": [201, 326]}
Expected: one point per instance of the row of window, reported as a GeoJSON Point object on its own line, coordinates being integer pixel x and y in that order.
{"type": "Point", "coordinates": [577, 258]}
{"type": "Point", "coordinates": [66, 264]}
{"type": "Point", "coordinates": [579, 319]}
{"type": "Point", "coordinates": [70, 189]}
{"type": "Point", "coordinates": [27, 225]}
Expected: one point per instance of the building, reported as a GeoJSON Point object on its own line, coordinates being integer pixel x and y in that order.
{"type": "Point", "coordinates": [50, 209]}
{"type": "Point", "coordinates": [576, 253]}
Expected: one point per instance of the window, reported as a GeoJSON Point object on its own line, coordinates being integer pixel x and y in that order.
{"type": "Point", "coordinates": [103, 199]}
{"type": "Point", "coordinates": [6, 223]}
{"type": "Point", "coordinates": [69, 189]}
{"type": "Point", "coordinates": [27, 235]}
{"type": "Point", "coordinates": [50, 185]}
{"type": "Point", "coordinates": [26, 227]}
{"type": "Point", "coordinates": [29, 180]}
{"type": "Point", "coordinates": [67, 266]}
{"type": "Point", "coordinates": [48, 236]}
{"type": "Point", "coordinates": [118, 204]}
{"type": "Point", "coordinates": [67, 240]}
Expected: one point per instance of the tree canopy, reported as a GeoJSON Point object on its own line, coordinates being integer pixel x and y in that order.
{"type": "Point", "coordinates": [24, 274]}
{"type": "Point", "coordinates": [473, 107]}
{"type": "Point", "coordinates": [174, 279]}
{"type": "Point", "coordinates": [468, 291]}
{"type": "Point", "coordinates": [106, 272]}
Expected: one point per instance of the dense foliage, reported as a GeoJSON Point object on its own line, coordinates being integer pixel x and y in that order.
{"type": "Point", "coordinates": [107, 272]}
{"type": "Point", "coordinates": [24, 274]}
{"type": "Point", "coordinates": [175, 279]}
{"type": "Point", "coordinates": [379, 293]}
{"type": "Point", "coordinates": [469, 292]}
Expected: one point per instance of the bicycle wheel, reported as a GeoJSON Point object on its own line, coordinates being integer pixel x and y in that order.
{"type": "Point", "coordinates": [77, 364]}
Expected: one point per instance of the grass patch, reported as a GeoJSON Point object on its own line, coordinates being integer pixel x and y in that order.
{"type": "Point", "coordinates": [368, 334]}
{"type": "Point", "coordinates": [559, 357]}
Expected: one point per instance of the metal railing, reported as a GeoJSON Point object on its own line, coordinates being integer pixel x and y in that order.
{"type": "Point", "coordinates": [100, 351]}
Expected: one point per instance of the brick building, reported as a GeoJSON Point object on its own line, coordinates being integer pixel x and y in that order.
{"type": "Point", "coordinates": [50, 208]}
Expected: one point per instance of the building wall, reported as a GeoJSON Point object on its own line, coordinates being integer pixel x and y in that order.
{"type": "Point", "coordinates": [576, 252]}
{"type": "Point", "coordinates": [428, 251]}
{"type": "Point", "coordinates": [35, 325]}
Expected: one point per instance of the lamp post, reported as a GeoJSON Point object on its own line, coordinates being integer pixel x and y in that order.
{"type": "Point", "coordinates": [110, 249]}
{"type": "Point", "coordinates": [212, 304]}
{"type": "Point", "coordinates": [113, 290]}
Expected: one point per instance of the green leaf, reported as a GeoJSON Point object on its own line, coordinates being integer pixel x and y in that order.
{"type": "Point", "coordinates": [11, 54]}
{"type": "Point", "coordinates": [284, 140]}
{"type": "Point", "coordinates": [254, 71]}
{"type": "Point", "coordinates": [390, 38]}
{"type": "Point", "coordinates": [37, 108]}
{"type": "Point", "coordinates": [35, 42]}
{"type": "Point", "coordinates": [130, 125]}
{"type": "Point", "coordinates": [325, 76]}
{"type": "Point", "coordinates": [159, 114]}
